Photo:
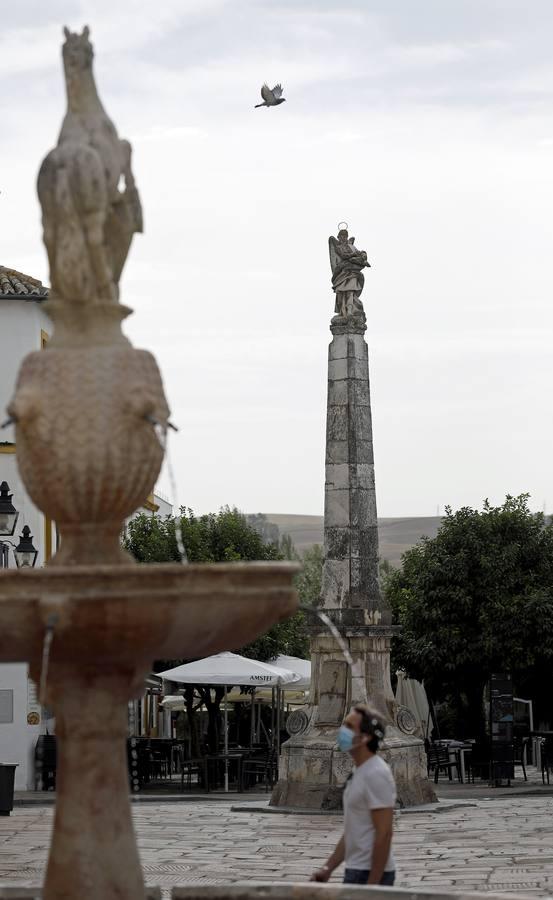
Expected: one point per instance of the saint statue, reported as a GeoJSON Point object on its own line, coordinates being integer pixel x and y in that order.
{"type": "Point", "coordinates": [346, 262]}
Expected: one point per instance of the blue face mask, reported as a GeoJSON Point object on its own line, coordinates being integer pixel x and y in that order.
{"type": "Point", "coordinates": [345, 738]}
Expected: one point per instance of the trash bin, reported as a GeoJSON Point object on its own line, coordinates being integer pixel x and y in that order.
{"type": "Point", "coordinates": [7, 778]}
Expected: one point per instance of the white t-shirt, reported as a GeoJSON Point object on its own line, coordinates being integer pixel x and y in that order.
{"type": "Point", "coordinates": [371, 786]}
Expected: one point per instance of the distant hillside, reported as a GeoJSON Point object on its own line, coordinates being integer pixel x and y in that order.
{"type": "Point", "coordinates": [395, 535]}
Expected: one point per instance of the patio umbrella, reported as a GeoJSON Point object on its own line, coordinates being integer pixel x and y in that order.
{"type": "Point", "coordinates": [229, 669]}
{"type": "Point", "coordinates": [174, 702]}
{"type": "Point", "coordinates": [302, 668]}
{"type": "Point", "coordinates": [411, 693]}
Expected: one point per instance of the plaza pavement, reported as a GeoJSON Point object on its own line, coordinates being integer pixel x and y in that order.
{"type": "Point", "coordinates": [498, 845]}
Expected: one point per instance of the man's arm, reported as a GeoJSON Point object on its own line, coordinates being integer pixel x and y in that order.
{"type": "Point", "coordinates": [334, 860]}
{"type": "Point", "coordinates": [383, 821]}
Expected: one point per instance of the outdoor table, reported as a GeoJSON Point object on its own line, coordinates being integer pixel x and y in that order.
{"type": "Point", "coordinates": [457, 750]}
{"type": "Point", "coordinates": [232, 756]}
{"type": "Point", "coordinates": [460, 751]}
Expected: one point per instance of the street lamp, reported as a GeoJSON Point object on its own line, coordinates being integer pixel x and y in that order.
{"type": "Point", "coordinates": [8, 512]}
{"type": "Point", "coordinates": [25, 554]}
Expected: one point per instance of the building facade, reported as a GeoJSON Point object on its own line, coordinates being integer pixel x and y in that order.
{"type": "Point", "coordinates": [24, 327]}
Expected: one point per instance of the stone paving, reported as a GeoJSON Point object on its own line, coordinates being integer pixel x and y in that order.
{"type": "Point", "coordinates": [483, 845]}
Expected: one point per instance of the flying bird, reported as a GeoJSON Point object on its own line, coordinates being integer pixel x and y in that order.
{"type": "Point", "coordinates": [271, 97]}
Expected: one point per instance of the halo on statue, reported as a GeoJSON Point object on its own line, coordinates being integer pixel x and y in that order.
{"type": "Point", "coordinates": [343, 225]}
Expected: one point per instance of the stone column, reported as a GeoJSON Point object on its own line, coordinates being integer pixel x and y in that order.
{"type": "Point", "coordinates": [312, 770]}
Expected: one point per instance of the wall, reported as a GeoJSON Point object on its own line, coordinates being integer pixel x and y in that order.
{"type": "Point", "coordinates": [23, 326]}
{"type": "Point", "coordinates": [18, 739]}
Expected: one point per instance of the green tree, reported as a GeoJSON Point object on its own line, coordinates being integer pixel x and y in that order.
{"type": "Point", "coordinates": [217, 537]}
{"type": "Point", "coordinates": [476, 599]}
{"type": "Point", "coordinates": [310, 578]}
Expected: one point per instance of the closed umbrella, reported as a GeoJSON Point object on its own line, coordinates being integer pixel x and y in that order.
{"type": "Point", "coordinates": [411, 693]}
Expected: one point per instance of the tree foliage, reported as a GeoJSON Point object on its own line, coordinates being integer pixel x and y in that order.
{"type": "Point", "coordinates": [217, 537]}
{"type": "Point", "coordinates": [309, 581]}
{"type": "Point", "coordinates": [476, 599]}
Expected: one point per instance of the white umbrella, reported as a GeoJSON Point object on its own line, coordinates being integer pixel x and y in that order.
{"type": "Point", "coordinates": [173, 702]}
{"type": "Point", "coordinates": [229, 669]}
{"type": "Point", "coordinates": [302, 668]}
{"type": "Point", "coordinates": [411, 693]}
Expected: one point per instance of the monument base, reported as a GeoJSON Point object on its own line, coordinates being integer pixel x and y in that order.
{"type": "Point", "coordinates": [312, 771]}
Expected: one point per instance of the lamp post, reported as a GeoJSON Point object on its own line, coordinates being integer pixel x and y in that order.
{"type": "Point", "coordinates": [8, 512]}
{"type": "Point", "coordinates": [25, 553]}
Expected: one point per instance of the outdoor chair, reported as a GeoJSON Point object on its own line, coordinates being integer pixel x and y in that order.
{"type": "Point", "coordinates": [520, 745]}
{"type": "Point", "coordinates": [495, 762]}
{"type": "Point", "coordinates": [438, 760]}
{"type": "Point", "coordinates": [45, 762]}
{"type": "Point", "coordinates": [546, 758]}
{"type": "Point", "coordinates": [260, 770]}
{"type": "Point", "coordinates": [194, 767]}
{"type": "Point", "coordinates": [177, 758]}
{"type": "Point", "coordinates": [503, 763]}
{"type": "Point", "coordinates": [159, 764]}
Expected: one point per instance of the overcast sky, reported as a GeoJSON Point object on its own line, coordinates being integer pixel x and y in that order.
{"type": "Point", "coordinates": [427, 126]}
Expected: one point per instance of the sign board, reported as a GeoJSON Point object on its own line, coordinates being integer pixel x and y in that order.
{"type": "Point", "coordinates": [501, 728]}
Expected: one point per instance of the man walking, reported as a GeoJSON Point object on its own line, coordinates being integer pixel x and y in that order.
{"type": "Point", "coordinates": [369, 801]}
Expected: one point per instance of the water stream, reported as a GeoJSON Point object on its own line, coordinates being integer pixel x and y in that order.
{"type": "Point", "coordinates": [51, 623]}
{"type": "Point", "coordinates": [173, 484]}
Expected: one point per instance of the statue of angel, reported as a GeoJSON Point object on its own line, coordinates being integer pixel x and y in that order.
{"type": "Point", "coordinates": [346, 262]}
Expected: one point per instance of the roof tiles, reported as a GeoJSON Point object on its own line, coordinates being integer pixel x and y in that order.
{"type": "Point", "coordinates": [15, 284]}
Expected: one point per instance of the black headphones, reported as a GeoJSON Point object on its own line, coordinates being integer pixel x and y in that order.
{"type": "Point", "coordinates": [371, 725]}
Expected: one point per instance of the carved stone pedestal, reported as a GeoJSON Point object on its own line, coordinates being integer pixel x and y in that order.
{"type": "Point", "coordinates": [312, 771]}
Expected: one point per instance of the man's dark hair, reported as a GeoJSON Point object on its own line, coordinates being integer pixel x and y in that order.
{"type": "Point", "coordinates": [371, 724]}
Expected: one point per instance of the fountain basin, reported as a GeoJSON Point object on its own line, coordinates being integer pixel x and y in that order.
{"type": "Point", "coordinates": [333, 891]}
{"type": "Point", "coordinates": [129, 614]}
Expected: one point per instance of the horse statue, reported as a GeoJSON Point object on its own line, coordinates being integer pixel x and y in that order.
{"type": "Point", "coordinates": [90, 203]}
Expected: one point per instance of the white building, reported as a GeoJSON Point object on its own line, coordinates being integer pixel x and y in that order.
{"type": "Point", "coordinates": [24, 327]}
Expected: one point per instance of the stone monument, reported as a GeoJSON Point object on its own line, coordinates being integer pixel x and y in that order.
{"type": "Point", "coordinates": [312, 770]}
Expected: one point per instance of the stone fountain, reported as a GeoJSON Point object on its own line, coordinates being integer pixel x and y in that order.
{"type": "Point", "coordinates": [91, 419]}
